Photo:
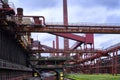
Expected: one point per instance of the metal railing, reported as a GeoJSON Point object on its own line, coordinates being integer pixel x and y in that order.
{"type": "Point", "coordinates": [85, 24]}
{"type": "Point", "coordinates": [52, 58]}
{"type": "Point", "coordinates": [49, 66]}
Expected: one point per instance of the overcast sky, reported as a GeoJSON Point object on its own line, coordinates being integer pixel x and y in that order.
{"type": "Point", "coordinates": [88, 11]}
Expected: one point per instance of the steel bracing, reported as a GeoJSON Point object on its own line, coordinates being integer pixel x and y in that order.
{"type": "Point", "coordinates": [22, 54]}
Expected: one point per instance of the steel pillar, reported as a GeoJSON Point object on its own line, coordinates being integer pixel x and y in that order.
{"type": "Point", "coordinates": [116, 62]}
{"type": "Point", "coordinates": [57, 44]}
{"type": "Point", "coordinates": [65, 19]}
{"type": "Point", "coordinates": [54, 54]}
{"type": "Point", "coordinates": [98, 65]}
{"type": "Point", "coordinates": [65, 12]}
{"type": "Point", "coordinates": [113, 64]}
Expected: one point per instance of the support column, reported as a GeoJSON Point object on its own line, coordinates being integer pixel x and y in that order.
{"type": "Point", "coordinates": [116, 62]}
{"type": "Point", "coordinates": [94, 66]}
{"type": "Point", "coordinates": [113, 63]}
{"type": "Point", "coordinates": [65, 19]}
{"type": "Point", "coordinates": [57, 44]}
{"type": "Point", "coordinates": [108, 70]}
{"type": "Point", "coordinates": [98, 65]}
{"type": "Point", "coordinates": [53, 54]}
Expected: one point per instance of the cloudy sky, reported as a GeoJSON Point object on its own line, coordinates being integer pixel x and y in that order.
{"type": "Point", "coordinates": [87, 11]}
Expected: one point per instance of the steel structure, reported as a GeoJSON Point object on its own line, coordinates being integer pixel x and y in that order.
{"type": "Point", "coordinates": [99, 28]}
{"type": "Point", "coordinates": [65, 19]}
{"type": "Point", "coordinates": [19, 50]}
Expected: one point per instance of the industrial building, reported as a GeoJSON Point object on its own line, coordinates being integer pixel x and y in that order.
{"type": "Point", "coordinates": [20, 55]}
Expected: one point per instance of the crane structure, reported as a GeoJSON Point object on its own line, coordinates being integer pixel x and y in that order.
{"type": "Point", "coordinates": [20, 56]}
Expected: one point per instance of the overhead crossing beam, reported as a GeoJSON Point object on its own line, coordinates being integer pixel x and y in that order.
{"type": "Point", "coordinates": [68, 51]}
{"type": "Point", "coordinates": [104, 53]}
{"type": "Point", "coordinates": [71, 36]}
{"type": "Point", "coordinates": [71, 29]}
{"type": "Point", "coordinates": [74, 46]}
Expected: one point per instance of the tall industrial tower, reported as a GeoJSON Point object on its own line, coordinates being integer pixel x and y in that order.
{"type": "Point", "coordinates": [65, 19]}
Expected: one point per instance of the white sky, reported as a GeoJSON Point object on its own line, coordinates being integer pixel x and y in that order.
{"type": "Point", "coordinates": [88, 11]}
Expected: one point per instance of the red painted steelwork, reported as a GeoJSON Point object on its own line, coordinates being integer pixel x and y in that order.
{"type": "Point", "coordinates": [83, 55]}
{"type": "Point", "coordinates": [74, 46]}
{"type": "Point", "coordinates": [71, 36]}
{"type": "Point", "coordinates": [79, 51]}
{"type": "Point", "coordinates": [89, 39]}
{"type": "Point", "coordinates": [65, 12]}
{"type": "Point", "coordinates": [37, 17]}
{"type": "Point", "coordinates": [53, 47]}
{"type": "Point", "coordinates": [98, 55]}
{"type": "Point", "coordinates": [65, 19]}
{"type": "Point", "coordinates": [71, 29]}
{"type": "Point", "coordinates": [102, 53]}
{"type": "Point", "coordinates": [37, 21]}
{"type": "Point", "coordinates": [57, 42]}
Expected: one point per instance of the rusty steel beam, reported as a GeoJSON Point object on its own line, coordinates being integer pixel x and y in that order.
{"type": "Point", "coordinates": [71, 36]}
{"type": "Point", "coordinates": [75, 45]}
{"type": "Point", "coordinates": [82, 25]}
{"type": "Point", "coordinates": [89, 39]}
{"type": "Point", "coordinates": [90, 58]}
{"type": "Point", "coordinates": [110, 49]}
{"type": "Point", "coordinates": [71, 29]}
{"type": "Point", "coordinates": [113, 48]}
{"type": "Point", "coordinates": [95, 56]}
{"type": "Point", "coordinates": [67, 51]}
{"type": "Point", "coordinates": [32, 17]}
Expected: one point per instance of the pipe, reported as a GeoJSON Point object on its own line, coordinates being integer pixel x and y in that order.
{"type": "Point", "coordinates": [39, 17]}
